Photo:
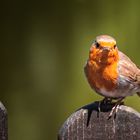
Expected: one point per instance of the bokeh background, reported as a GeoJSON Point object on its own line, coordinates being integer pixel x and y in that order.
{"type": "Point", "coordinates": [44, 46]}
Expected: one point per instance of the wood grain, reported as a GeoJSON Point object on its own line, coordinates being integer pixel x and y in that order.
{"type": "Point", "coordinates": [89, 124]}
{"type": "Point", "coordinates": [3, 123]}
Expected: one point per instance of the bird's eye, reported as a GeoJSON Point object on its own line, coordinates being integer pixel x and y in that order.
{"type": "Point", "coordinates": [115, 46]}
{"type": "Point", "coordinates": [97, 45]}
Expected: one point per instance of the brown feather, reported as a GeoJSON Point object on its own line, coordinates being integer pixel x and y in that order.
{"type": "Point", "coordinates": [128, 69]}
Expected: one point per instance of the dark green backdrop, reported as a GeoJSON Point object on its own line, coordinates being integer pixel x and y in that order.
{"type": "Point", "coordinates": [44, 46]}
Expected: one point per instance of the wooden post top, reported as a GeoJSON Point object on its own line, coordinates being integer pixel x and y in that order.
{"type": "Point", "coordinates": [89, 124]}
{"type": "Point", "coordinates": [3, 123]}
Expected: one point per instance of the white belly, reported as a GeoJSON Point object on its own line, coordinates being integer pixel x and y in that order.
{"type": "Point", "coordinates": [115, 93]}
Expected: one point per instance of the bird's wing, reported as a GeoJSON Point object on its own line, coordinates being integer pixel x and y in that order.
{"type": "Point", "coordinates": [128, 69]}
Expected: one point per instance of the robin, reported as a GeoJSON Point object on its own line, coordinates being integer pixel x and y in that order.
{"type": "Point", "coordinates": [110, 72]}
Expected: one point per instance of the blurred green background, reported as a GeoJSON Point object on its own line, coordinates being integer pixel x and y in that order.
{"type": "Point", "coordinates": [44, 46]}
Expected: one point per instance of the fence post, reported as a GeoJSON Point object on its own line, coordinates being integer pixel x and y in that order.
{"type": "Point", "coordinates": [89, 124]}
{"type": "Point", "coordinates": [3, 123]}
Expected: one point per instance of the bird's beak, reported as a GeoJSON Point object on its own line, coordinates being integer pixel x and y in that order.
{"type": "Point", "coordinates": [107, 49]}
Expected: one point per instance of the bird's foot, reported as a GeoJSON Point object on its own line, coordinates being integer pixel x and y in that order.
{"type": "Point", "coordinates": [104, 102]}
{"type": "Point", "coordinates": [115, 108]}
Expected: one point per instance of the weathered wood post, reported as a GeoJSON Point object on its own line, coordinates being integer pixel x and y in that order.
{"type": "Point", "coordinates": [3, 123]}
{"type": "Point", "coordinates": [88, 123]}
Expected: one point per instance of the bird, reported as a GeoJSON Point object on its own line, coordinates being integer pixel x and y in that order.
{"type": "Point", "coordinates": [110, 72]}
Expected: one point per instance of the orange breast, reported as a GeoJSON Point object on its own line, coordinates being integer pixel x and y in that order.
{"type": "Point", "coordinates": [104, 76]}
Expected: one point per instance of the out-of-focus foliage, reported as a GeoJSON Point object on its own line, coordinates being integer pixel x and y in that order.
{"type": "Point", "coordinates": [44, 46]}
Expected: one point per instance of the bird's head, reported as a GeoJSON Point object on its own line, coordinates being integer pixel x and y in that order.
{"type": "Point", "coordinates": [104, 50]}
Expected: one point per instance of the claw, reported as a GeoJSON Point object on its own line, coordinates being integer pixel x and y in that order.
{"type": "Point", "coordinates": [115, 108]}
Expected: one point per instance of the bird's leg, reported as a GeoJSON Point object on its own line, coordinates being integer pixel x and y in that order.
{"type": "Point", "coordinates": [115, 108]}
{"type": "Point", "coordinates": [99, 105]}
{"type": "Point", "coordinates": [105, 101]}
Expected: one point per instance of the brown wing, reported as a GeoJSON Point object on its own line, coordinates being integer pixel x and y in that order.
{"type": "Point", "coordinates": [128, 69]}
